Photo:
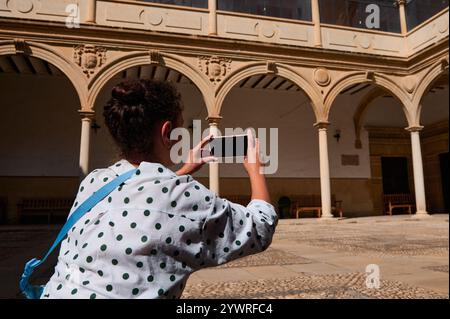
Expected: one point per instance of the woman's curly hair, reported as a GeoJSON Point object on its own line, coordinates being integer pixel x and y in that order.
{"type": "Point", "coordinates": [135, 108]}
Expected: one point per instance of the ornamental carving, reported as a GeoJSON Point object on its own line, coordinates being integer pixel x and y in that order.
{"type": "Point", "coordinates": [271, 67]}
{"type": "Point", "coordinates": [370, 75]}
{"type": "Point", "coordinates": [215, 68]}
{"type": "Point", "coordinates": [444, 63]}
{"type": "Point", "coordinates": [409, 84]}
{"type": "Point", "coordinates": [21, 46]}
{"type": "Point", "coordinates": [155, 57]}
{"type": "Point", "coordinates": [90, 58]}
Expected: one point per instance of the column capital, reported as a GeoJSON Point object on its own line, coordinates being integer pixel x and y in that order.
{"type": "Point", "coordinates": [401, 2]}
{"type": "Point", "coordinates": [322, 125]}
{"type": "Point", "coordinates": [214, 120]}
{"type": "Point", "coordinates": [86, 114]}
{"type": "Point", "coordinates": [415, 128]}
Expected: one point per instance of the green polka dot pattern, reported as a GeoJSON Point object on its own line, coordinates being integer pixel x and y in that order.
{"type": "Point", "coordinates": [151, 233]}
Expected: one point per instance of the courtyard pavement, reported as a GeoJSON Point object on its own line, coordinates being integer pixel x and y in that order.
{"type": "Point", "coordinates": [320, 259]}
{"type": "Point", "coordinates": [308, 259]}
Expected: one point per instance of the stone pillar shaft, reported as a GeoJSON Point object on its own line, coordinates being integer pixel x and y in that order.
{"type": "Point", "coordinates": [316, 20]}
{"type": "Point", "coordinates": [212, 6]}
{"type": "Point", "coordinates": [91, 11]}
{"type": "Point", "coordinates": [325, 183]}
{"type": "Point", "coordinates": [86, 121]}
{"type": "Point", "coordinates": [403, 23]}
{"type": "Point", "coordinates": [214, 172]}
{"type": "Point", "coordinates": [419, 184]}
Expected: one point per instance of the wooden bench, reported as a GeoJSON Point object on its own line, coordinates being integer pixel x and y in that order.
{"type": "Point", "coordinates": [393, 201]}
{"type": "Point", "coordinates": [313, 203]}
{"type": "Point", "coordinates": [48, 207]}
{"type": "Point", "coordinates": [243, 200]}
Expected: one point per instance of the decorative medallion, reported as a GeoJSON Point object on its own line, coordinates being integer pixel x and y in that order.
{"type": "Point", "coordinates": [215, 68]}
{"type": "Point", "coordinates": [154, 19]}
{"type": "Point", "coordinates": [322, 76]}
{"type": "Point", "coordinates": [22, 6]}
{"type": "Point", "coordinates": [89, 58]}
{"type": "Point", "coordinates": [442, 26]}
{"type": "Point", "coordinates": [363, 41]}
{"type": "Point", "coordinates": [151, 17]}
{"type": "Point", "coordinates": [266, 30]}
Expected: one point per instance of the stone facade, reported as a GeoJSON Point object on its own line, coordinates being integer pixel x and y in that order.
{"type": "Point", "coordinates": [217, 50]}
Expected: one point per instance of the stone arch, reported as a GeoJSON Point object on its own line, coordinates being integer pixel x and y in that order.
{"type": "Point", "coordinates": [378, 80]}
{"type": "Point", "coordinates": [433, 74]}
{"type": "Point", "coordinates": [144, 58]}
{"type": "Point", "coordinates": [258, 68]}
{"type": "Point", "coordinates": [50, 55]}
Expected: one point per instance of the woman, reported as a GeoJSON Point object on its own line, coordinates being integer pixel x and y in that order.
{"type": "Point", "coordinates": [150, 234]}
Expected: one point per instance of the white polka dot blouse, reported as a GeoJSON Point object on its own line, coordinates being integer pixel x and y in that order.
{"type": "Point", "coordinates": [149, 235]}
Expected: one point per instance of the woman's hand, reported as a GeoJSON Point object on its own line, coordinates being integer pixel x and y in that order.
{"type": "Point", "coordinates": [253, 166]}
{"type": "Point", "coordinates": [195, 161]}
{"type": "Point", "coordinates": [252, 163]}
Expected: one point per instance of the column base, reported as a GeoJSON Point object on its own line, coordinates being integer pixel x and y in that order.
{"type": "Point", "coordinates": [421, 215]}
{"type": "Point", "coordinates": [331, 217]}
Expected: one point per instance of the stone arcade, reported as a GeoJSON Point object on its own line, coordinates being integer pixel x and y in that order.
{"type": "Point", "coordinates": [340, 93]}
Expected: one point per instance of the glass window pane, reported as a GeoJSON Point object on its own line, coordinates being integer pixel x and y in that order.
{"type": "Point", "coordinates": [382, 15]}
{"type": "Point", "coordinates": [418, 11]}
{"type": "Point", "coordinates": [288, 9]}
{"type": "Point", "coordinates": [186, 3]}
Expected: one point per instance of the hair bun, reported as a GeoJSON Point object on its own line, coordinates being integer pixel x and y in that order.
{"type": "Point", "coordinates": [131, 93]}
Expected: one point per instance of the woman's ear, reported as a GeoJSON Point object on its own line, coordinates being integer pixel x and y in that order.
{"type": "Point", "coordinates": [166, 130]}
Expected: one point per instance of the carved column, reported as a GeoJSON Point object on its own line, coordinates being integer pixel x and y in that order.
{"type": "Point", "coordinates": [214, 178]}
{"type": "Point", "coordinates": [86, 122]}
{"type": "Point", "coordinates": [316, 20]}
{"type": "Point", "coordinates": [325, 183]}
{"type": "Point", "coordinates": [212, 6]}
{"type": "Point", "coordinates": [91, 11]}
{"type": "Point", "coordinates": [403, 23]}
{"type": "Point", "coordinates": [419, 184]}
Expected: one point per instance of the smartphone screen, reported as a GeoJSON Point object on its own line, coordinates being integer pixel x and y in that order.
{"type": "Point", "coordinates": [229, 146]}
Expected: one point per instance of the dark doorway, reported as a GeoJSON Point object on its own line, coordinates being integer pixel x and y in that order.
{"type": "Point", "coordinates": [444, 178]}
{"type": "Point", "coordinates": [395, 175]}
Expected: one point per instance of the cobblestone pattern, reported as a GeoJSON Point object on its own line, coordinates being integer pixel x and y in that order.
{"type": "Point", "coordinates": [332, 286]}
{"type": "Point", "coordinates": [269, 257]}
{"type": "Point", "coordinates": [376, 246]}
{"type": "Point", "coordinates": [443, 268]}
{"type": "Point", "coordinates": [380, 238]}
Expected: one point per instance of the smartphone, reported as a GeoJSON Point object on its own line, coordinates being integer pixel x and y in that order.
{"type": "Point", "coordinates": [229, 146]}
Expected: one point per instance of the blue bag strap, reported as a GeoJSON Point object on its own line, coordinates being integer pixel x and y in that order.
{"type": "Point", "coordinates": [86, 206]}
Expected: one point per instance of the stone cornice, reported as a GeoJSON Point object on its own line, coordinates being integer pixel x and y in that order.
{"type": "Point", "coordinates": [54, 32]}
{"type": "Point", "coordinates": [428, 56]}
{"type": "Point", "coordinates": [57, 33]}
